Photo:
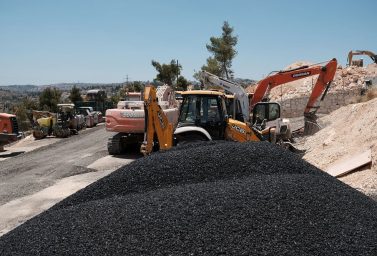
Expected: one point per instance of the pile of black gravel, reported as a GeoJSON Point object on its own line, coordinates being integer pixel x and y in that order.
{"type": "Point", "coordinates": [208, 198]}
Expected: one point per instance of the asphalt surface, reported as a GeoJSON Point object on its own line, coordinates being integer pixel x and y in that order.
{"type": "Point", "coordinates": [28, 173]}
{"type": "Point", "coordinates": [206, 199]}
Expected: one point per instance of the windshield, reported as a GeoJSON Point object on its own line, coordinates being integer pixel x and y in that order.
{"type": "Point", "coordinates": [200, 109]}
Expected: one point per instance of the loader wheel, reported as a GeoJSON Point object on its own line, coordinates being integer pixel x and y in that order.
{"type": "Point", "coordinates": [114, 145]}
{"type": "Point", "coordinates": [189, 138]}
{"type": "Point", "coordinates": [67, 133]}
{"type": "Point", "coordinates": [39, 134]}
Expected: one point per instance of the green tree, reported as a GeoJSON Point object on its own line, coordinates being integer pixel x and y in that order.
{"type": "Point", "coordinates": [167, 73]}
{"type": "Point", "coordinates": [182, 84]}
{"type": "Point", "coordinates": [75, 95]}
{"type": "Point", "coordinates": [49, 98]}
{"type": "Point", "coordinates": [115, 99]}
{"type": "Point", "coordinates": [136, 86]}
{"type": "Point", "coordinates": [212, 67]}
{"type": "Point", "coordinates": [223, 50]}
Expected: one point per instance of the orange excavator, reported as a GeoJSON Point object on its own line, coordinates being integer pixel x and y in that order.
{"type": "Point", "coordinates": [326, 75]}
{"type": "Point", "coordinates": [9, 131]}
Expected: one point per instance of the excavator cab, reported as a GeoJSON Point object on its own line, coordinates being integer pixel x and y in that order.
{"type": "Point", "coordinates": [264, 112]}
{"type": "Point", "coordinates": [207, 111]}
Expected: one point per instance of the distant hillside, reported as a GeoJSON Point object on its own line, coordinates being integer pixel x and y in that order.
{"type": "Point", "coordinates": [244, 82]}
{"type": "Point", "coordinates": [84, 86]}
{"type": "Point", "coordinates": [61, 86]}
{"type": "Point", "coordinates": [20, 88]}
{"type": "Point", "coordinates": [87, 86]}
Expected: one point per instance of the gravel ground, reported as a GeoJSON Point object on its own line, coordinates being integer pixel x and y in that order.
{"type": "Point", "coordinates": [213, 198]}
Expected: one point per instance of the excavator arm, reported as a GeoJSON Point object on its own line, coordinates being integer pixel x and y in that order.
{"type": "Point", "coordinates": [238, 91]}
{"type": "Point", "coordinates": [157, 125]}
{"type": "Point", "coordinates": [326, 75]}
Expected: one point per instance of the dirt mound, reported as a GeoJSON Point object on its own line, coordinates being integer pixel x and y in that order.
{"type": "Point", "coordinates": [349, 130]}
{"type": "Point", "coordinates": [206, 199]}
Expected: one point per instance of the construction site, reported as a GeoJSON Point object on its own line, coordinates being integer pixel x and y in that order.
{"type": "Point", "coordinates": [286, 166]}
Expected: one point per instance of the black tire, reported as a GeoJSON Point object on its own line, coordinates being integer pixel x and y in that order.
{"type": "Point", "coordinates": [114, 145]}
{"type": "Point", "coordinates": [190, 138]}
{"type": "Point", "coordinates": [38, 134]}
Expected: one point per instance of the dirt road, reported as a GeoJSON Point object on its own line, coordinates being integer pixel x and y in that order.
{"type": "Point", "coordinates": [32, 182]}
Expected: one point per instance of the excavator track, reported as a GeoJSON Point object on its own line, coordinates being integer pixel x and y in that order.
{"type": "Point", "coordinates": [114, 145]}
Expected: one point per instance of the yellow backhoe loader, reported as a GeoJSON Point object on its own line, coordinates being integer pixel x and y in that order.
{"type": "Point", "coordinates": [46, 123]}
{"type": "Point", "coordinates": [203, 117]}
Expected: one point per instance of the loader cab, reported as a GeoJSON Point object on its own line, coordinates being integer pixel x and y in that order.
{"type": "Point", "coordinates": [206, 109]}
{"type": "Point", "coordinates": [233, 108]}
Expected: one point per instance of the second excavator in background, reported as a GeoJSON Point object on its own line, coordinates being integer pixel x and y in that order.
{"type": "Point", "coordinates": [360, 62]}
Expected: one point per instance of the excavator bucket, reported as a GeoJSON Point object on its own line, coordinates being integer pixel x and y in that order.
{"type": "Point", "coordinates": [310, 125]}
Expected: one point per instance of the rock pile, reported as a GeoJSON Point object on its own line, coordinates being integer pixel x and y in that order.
{"type": "Point", "coordinates": [206, 199]}
{"type": "Point", "coordinates": [348, 131]}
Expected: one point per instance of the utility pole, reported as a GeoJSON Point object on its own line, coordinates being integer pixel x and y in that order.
{"type": "Point", "coordinates": [126, 84]}
{"type": "Point", "coordinates": [177, 74]}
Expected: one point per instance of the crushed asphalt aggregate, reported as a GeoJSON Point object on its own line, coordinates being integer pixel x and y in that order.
{"type": "Point", "coordinates": [206, 199]}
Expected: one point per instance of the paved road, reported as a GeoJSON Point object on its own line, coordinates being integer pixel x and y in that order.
{"type": "Point", "coordinates": [33, 171]}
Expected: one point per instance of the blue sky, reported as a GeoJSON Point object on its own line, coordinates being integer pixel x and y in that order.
{"type": "Point", "coordinates": [45, 42]}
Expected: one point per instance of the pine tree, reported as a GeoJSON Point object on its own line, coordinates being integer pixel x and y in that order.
{"type": "Point", "coordinates": [75, 95]}
{"type": "Point", "coordinates": [223, 50]}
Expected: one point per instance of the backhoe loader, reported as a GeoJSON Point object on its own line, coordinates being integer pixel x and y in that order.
{"type": "Point", "coordinates": [46, 123]}
{"type": "Point", "coordinates": [202, 117]}
{"type": "Point", "coordinates": [126, 122]}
